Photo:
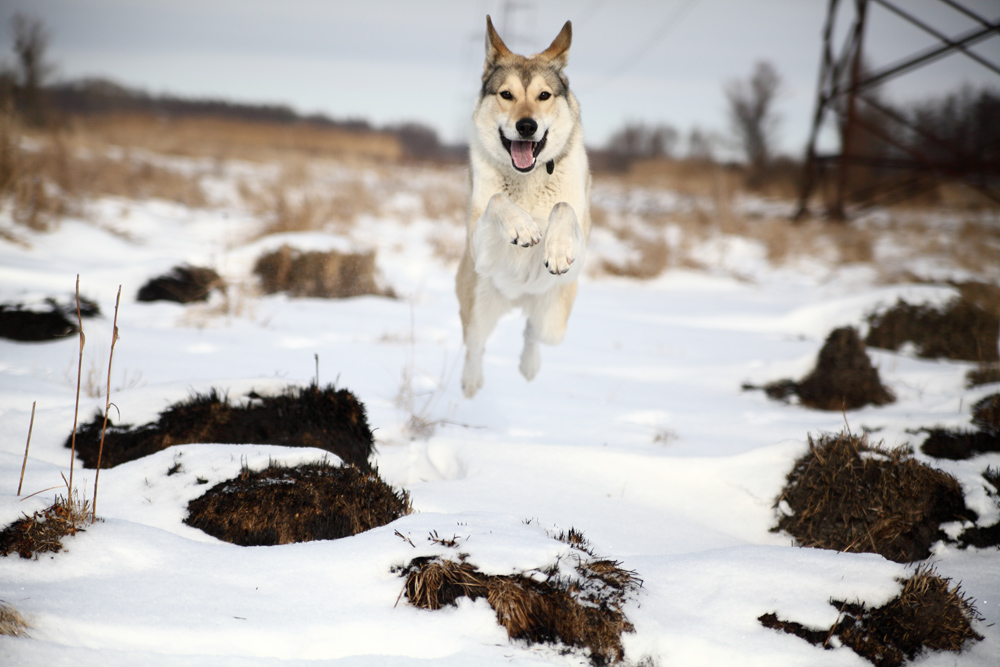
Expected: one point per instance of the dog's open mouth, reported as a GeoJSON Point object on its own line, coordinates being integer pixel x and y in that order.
{"type": "Point", "coordinates": [523, 153]}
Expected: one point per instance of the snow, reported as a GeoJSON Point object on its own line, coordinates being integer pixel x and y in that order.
{"type": "Point", "coordinates": [636, 433]}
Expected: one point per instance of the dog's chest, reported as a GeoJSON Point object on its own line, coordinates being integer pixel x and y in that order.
{"type": "Point", "coordinates": [536, 195]}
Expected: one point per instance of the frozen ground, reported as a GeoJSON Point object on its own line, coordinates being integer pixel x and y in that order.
{"type": "Point", "coordinates": [636, 433]}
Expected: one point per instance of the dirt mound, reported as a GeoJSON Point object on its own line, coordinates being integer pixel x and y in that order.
{"type": "Point", "coordinates": [986, 414]}
{"type": "Point", "coordinates": [959, 444]}
{"type": "Point", "coordinates": [330, 419]}
{"type": "Point", "coordinates": [584, 611]}
{"type": "Point", "coordinates": [929, 614]}
{"type": "Point", "coordinates": [985, 536]}
{"type": "Point", "coordinates": [42, 532]}
{"type": "Point", "coordinates": [332, 275]}
{"type": "Point", "coordinates": [282, 505]}
{"type": "Point", "coordinates": [966, 328]}
{"type": "Point", "coordinates": [843, 379]}
{"type": "Point", "coordinates": [183, 284]}
{"type": "Point", "coordinates": [51, 321]}
{"type": "Point", "coordinates": [848, 495]}
{"type": "Point", "coordinates": [983, 374]}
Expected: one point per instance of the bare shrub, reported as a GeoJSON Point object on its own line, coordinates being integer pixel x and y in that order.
{"type": "Point", "coordinates": [284, 505]}
{"type": "Point", "coordinates": [849, 495]}
{"type": "Point", "coordinates": [752, 116]}
{"type": "Point", "coordinates": [929, 614]}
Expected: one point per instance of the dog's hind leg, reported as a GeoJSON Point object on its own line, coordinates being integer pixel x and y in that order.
{"type": "Point", "coordinates": [548, 315]}
{"type": "Point", "coordinates": [486, 310]}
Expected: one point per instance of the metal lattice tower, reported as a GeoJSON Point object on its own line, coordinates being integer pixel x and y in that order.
{"type": "Point", "coordinates": [845, 95]}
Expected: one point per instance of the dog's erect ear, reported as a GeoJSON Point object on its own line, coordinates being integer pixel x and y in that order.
{"type": "Point", "coordinates": [495, 48]}
{"type": "Point", "coordinates": [558, 51]}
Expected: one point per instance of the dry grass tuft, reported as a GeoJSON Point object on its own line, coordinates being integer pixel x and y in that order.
{"type": "Point", "coordinates": [848, 495]}
{"type": "Point", "coordinates": [327, 418]}
{"type": "Point", "coordinates": [12, 624]}
{"type": "Point", "coordinates": [965, 329]}
{"type": "Point", "coordinates": [983, 374]}
{"type": "Point", "coordinates": [43, 531]}
{"type": "Point", "coordinates": [183, 284]}
{"type": "Point", "coordinates": [282, 505]}
{"type": "Point", "coordinates": [331, 275]}
{"type": "Point", "coordinates": [581, 611]}
{"type": "Point", "coordinates": [50, 320]}
{"type": "Point", "coordinates": [843, 379]}
{"type": "Point", "coordinates": [960, 444]}
{"type": "Point", "coordinates": [986, 413]}
{"type": "Point", "coordinates": [929, 614]}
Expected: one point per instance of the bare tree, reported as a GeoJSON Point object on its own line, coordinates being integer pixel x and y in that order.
{"type": "Point", "coordinates": [31, 40]}
{"type": "Point", "coordinates": [636, 141]}
{"type": "Point", "coordinates": [752, 116]}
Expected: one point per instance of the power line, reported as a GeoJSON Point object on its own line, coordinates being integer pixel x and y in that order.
{"type": "Point", "coordinates": [661, 31]}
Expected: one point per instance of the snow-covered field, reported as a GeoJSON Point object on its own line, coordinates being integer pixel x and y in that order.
{"type": "Point", "coordinates": [636, 433]}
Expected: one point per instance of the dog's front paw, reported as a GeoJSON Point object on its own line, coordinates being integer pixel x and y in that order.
{"type": "Point", "coordinates": [560, 253]}
{"type": "Point", "coordinates": [521, 229]}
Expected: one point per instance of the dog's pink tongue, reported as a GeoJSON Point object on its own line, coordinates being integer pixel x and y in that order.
{"type": "Point", "coordinates": [521, 151]}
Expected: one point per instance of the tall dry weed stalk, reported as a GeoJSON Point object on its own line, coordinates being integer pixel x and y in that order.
{"type": "Point", "coordinates": [79, 377]}
{"type": "Point", "coordinates": [24, 464]}
{"type": "Point", "coordinates": [107, 405]}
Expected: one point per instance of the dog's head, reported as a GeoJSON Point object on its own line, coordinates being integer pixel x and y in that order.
{"type": "Point", "coordinates": [526, 112]}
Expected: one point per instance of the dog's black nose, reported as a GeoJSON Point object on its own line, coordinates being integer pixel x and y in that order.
{"type": "Point", "coordinates": [526, 127]}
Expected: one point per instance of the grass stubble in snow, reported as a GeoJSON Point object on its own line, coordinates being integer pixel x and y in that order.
{"type": "Point", "coordinates": [662, 351]}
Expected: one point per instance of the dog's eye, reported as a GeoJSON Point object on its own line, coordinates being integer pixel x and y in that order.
{"type": "Point", "coordinates": [506, 94]}
{"type": "Point", "coordinates": [544, 95]}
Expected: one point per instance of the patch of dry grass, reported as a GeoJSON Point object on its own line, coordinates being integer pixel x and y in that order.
{"type": "Point", "coordinates": [928, 614]}
{"type": "Point", "coordinates": [43, 531]}
{"type": "Point", "coordinates": [227, 138]}
{"type": "Point", "coordinates": [47, 175]}
{"type": "Point", "coordinates": [330, 275]}
{"type": "Point", "coordinates": [285, 505]}
{"type": "Point", "coordinates": [849, 495]}
{"type": "Point", "coordinates": [12, 624]}
{"type": "Point", "coordinates": [583, 611]}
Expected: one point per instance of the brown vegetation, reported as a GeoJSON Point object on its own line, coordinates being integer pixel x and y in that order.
{"type": "Point", "coordinates": [12, 624]}
{"type": "Point", "coordinates": [967, 328]}
{"type": "Point", "coordinates": [42, 532]}
{"type": "Point", "coordinates": [331, 275]}
{"type": "Point", "coordinates": [50, 321]}
{"type": "Point", "coordinates": [283, 505]}
{"type": "Point", "coordinates": [959, 444]}
{"type": "Point", "coordinates": [843, 379]}
{"type": "Point", "coordinates": [330, 419]}
{"type": "Point", "coordinates": [182, 284]}
{"type": "Point", "coordinates": [584, 611]}
{"type": "Point", "coordinates": [232, 138]}
{"type": "Point", "coordinates": [848, 495]}
{"type": "Point", "coordinates": [929, 614]}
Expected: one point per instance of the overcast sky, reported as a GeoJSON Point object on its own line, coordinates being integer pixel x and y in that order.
{"type": "Point", "coordinates": [659, 61]}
